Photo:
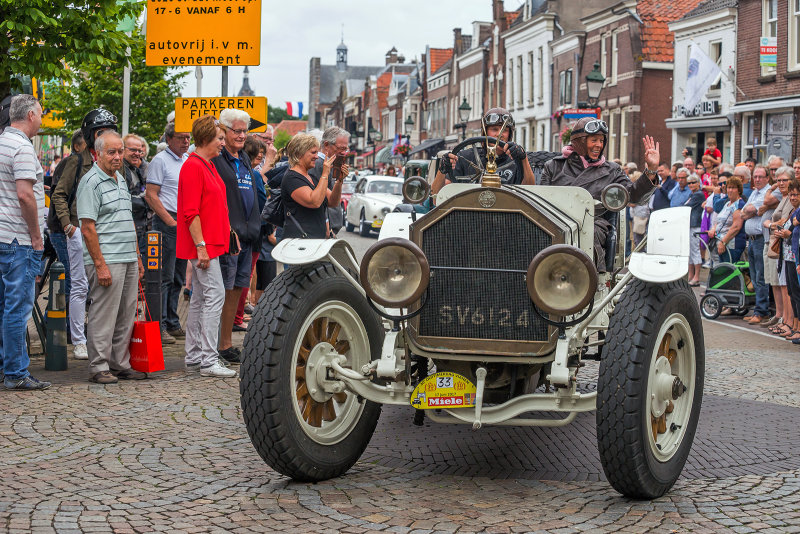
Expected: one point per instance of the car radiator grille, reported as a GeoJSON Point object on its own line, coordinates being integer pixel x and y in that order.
{"type": "Point", "coordinates": [482, 304]}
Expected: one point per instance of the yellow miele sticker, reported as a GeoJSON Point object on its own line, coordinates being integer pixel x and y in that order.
{"type": "Point", "coordinates": [443, 390]}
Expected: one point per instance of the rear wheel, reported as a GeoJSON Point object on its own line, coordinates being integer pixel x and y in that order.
{"type": "Point", "coordinates": [296, 421]}
{"type": "Point", "coordinates": [650, 387]}
{"type": "Point", "coordinates": [363, 226]}
{"type": "Point", "coordinates": [710, 306]}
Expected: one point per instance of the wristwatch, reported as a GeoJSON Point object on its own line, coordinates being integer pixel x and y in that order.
{"type": "Point", "coordinates": [648, 171]}
{"type": "Point", "coordinates": [200, 244]}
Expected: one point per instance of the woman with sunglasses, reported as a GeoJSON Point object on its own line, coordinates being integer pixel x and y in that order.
{"type": "Point", "coordinates": [582, 164]}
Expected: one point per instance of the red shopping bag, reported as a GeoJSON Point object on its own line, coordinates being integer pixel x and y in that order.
{"type": "Point", "coordinates": [147, 354]}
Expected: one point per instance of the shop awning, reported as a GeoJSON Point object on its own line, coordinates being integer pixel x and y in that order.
{"type": "Point", "coordinates": [433, 145]}
{"type": "Point", "coordinates": [766, 104]}
{"type": "Point", "coordinates": [384, 155]}
{"type": "Point", "coordinates": [376, 149]}
{"type": "Point", "coordinates": [698, 123]}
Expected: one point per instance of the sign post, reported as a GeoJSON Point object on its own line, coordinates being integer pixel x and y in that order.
{"type": "Point", "coordinates": [203, 33]}
{"type": "Point", "coordinates": [189, 109]}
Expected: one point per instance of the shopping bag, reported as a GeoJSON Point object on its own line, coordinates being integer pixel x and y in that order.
{"type": "Point", "coordinates": [147, 355]}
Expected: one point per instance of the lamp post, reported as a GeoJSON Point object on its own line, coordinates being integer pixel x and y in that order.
{"type": "Point", "coordinates": [464, 111]}
{"type": "Point", "coordinates": [408, 126]}
{"type": "Point", "coordinates": [594, 84]}
{"type": "Point", "coordinates": [374, 138]}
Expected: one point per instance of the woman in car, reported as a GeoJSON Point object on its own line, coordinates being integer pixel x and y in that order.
{"type": "Point", "coordinates": [306, 198]}
{"type": "Point", "coordinates": [582, 164]}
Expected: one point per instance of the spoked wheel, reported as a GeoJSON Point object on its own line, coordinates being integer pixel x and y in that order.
{"type": "Point", "coordinates": [650, 387]}
{"type": "Point", "coordinates": [710, 306]}
{"type": "Point", "coordinates": [303, 421]}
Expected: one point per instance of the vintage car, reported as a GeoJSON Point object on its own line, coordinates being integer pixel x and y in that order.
{"type": "Point", "coordinates": [348, 187]}
{"type": "Point", "coordinates": [481, 312]}
{"type": "Point", "coordinates": [372, 199]}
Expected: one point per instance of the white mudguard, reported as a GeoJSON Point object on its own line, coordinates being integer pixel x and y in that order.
{"type": "Point", "coordinates": [396, 224]}
{"type": "Point", "coordinates": [667, 256]}
{"type": "Point", "coordinates": [304, 251]}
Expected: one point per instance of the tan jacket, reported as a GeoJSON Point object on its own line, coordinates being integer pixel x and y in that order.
{"type": "Point", "coordinates": [67, 212]}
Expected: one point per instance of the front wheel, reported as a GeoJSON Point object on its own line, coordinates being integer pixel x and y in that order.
{"type": "Point", "coordinates": [363, 226]}
{"type": "Point", "coordinates": [297, 423]}
{"type": "Point", "coordinates": [710, 306]}
{"type": "Point", "coordinates": [650, 387]}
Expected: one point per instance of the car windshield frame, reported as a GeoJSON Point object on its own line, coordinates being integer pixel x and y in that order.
{"type": "Point", "coordinates": [387, 184]}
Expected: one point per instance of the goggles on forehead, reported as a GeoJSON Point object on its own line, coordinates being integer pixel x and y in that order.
{"type": "Point", "coordinates": [494, 119]}
{"type": "Point", "coordinates": [592, 127]}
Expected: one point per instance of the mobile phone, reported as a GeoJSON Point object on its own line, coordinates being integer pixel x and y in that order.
{"type": "Point", "coordinates": [336, 171]}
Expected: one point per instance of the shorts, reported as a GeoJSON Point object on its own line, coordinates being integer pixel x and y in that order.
{"type": "Point", "coordinates": [771, 269]}
{"type": "Point", "coordinates": [236, 269]}
{"type": "Point", "coordinates": [694, 246]}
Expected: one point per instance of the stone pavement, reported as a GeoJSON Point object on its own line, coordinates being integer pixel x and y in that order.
{"type": "Point", "coordinates": [171, 454]}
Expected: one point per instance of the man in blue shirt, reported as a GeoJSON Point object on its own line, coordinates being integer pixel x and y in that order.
{"type": "Point", "coordinates": [664, 187]}
{"type": "Point", "coordinates": [755, 244]}
{"type": "Point", "coordinates": [680, 193]}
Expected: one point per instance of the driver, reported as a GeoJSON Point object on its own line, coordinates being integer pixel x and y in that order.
{"type": "Point", "coordinates": [582, 164]}
{"type": "Point", "coordinates": [512, 164]}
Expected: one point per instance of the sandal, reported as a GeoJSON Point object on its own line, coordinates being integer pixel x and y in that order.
{"type": "Point", "coordinates": [795, 335]}
{"type": "Point", "coordinates": [780, 329]}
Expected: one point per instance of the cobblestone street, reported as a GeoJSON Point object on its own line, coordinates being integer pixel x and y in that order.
{"type": "Point", "coordinates": [171, 454]}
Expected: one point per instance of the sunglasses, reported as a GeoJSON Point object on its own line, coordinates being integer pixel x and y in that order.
{"type": "Point", "coordinates": [592, 127]}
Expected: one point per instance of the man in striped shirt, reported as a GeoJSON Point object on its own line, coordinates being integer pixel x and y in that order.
{"type": "Point", "coordinates": [113, 264]}
{"type": "Point", "coordinates": [21, 244]}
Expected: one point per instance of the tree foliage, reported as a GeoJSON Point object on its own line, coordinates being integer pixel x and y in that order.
{"type": "Point", "coordinates": [276, 114]}
{"type": "Point", "coordinates": [153, 93]}
{"type": "Point", "coordinates": [282, 138]}
{"type": "Point", "coordinates": [46, 39]}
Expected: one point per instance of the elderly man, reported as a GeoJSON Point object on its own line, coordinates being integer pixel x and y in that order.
{"type": "Point", "coordinates": [21, 242]}
{"type": "Point", "coordinates": [681, 192]}
{"type": "Point", "coordinates": [135, 178]}
{"type": "Point", "coordinates": [112, 261]}
{"type": "Point", "coordinates": [664, 186]}
{"type": "Point", "coordinates": [268, 138]}
{"type": "Point", "coordinates": [688, 164]}
{"type": "Point", "coordinates": [335, 144]}
{"type": "Point", "coordinates": [234, 168]}
{"type": "Point", "coordinates": [162, 197]}
{"type": "Point", "coordinates": [751, 214]}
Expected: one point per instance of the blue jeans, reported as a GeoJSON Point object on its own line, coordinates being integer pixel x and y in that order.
{"type": "Point", "coordinates": [19, 266]}
{"type": "Point", "coordinates": [59, 242]}
{"type": "Point", "coordinates": [173, 276]}
{"type": "Point", "coordinates": [755, 253]}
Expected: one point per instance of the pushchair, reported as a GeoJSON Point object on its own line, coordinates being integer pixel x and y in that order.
{"type": "Point", "coordinates": [728, 285]}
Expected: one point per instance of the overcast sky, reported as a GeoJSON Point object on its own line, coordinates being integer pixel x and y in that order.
{"type": "Point", "coordinates": [295, 31]}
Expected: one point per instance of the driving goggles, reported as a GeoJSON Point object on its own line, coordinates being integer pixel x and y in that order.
{"type": "Point", "coordinates": [493, 119]}
{"type": "Point", "coordinates": [592, 127]}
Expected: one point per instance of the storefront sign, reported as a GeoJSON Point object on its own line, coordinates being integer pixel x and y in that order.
{"type": "Point", "coordinates": [579, 113]}
{"type": "Point", "coordinates": [707, 107]}
{"type": "Point", "coordinates": [779, 135]}
{"type": "Point", "coordinates": [769, 52]}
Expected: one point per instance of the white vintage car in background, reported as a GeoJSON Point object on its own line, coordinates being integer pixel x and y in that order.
{"type": "Point", "coordinates": [373, 198]}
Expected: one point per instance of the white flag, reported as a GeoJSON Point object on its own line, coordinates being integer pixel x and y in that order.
{"type": "Point", "coordinates": [702, 73]}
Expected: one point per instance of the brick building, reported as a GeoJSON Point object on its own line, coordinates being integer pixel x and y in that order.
{"type": "Point", "coordinates": [769, 101]}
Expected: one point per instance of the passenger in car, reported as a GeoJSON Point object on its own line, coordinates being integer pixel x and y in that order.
{"type": "Point", "coordinates": [582, 164]}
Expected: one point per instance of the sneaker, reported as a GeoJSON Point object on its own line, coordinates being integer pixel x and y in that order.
{"type": "Point", "coordinates": [166, 338]}
{"type": "Point", "coordinates": [103, 377]}
{"type": "Point", "coordinates": [129, 374]}
{"type": "Point", "coordinates": [248, 309]}
{"type": "Point", "coordinates": [79, 352]}
{"type": "Point", "coordinates": [192, 367]}
{"type": "Point", "coordinates": [218, 371]}
{"type": "Point", "coordinates": [178, 333]}
{"type": "Point", "coordinates": [240, 327]}
{"type": "Point", "coordinates": [231, 355]}
{"type": "Point", "coordinates": [28, 383]}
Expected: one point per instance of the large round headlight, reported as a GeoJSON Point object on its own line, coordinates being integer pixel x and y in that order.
{"type": "Point", "coordinates": [394, 272]}
{"type": "Point", "coordinates": [562, 280]}
{"type": "Point", "coordinates": [615, 197]}
{"type": "Point", "coordinates": [416, 190]}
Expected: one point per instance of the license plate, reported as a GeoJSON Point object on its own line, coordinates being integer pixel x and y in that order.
{"type": "Point", "coordinates": [377, 224]}
{"type": "Point", "coordinates": [443, 390]}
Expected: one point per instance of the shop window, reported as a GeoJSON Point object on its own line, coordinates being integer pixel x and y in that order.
{"type": "Point", "coordinates": [769, 25]}
{"type": "Point", "coordinates": [715, 53]}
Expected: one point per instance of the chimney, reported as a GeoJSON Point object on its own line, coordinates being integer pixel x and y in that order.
{"type": "Point", "coordinates": [457, 41]}
{"type": "Point", "coordinates": [497, 12]}
{"type": "Point", "coordinates": [391, 56]}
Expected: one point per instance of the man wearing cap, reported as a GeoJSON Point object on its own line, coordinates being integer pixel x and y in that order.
{"type": "Point", "coordinates": [582, 164]}
{"type": "Point", "coordinates": [513, 163]}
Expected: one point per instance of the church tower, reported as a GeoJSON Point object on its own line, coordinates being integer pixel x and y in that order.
{"type": "Point", "coordinates": [341, 56]}
{"type": "Point", "coordinates": [246, 90]}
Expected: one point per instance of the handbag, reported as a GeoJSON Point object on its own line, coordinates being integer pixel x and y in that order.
{"type": "Point", "coordinates": [775, 246]}
{"type": "Point", "coordinates": [273, 211]}
{"type": "Point", "coordinates": [234, 245]}
{"type": "Point", "coordinates": [147, 354]}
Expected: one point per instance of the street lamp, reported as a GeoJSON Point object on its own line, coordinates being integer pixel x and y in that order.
{"type": "Point", "coordinates": [464, 111]}
{"type": "Point", "coordinates": [409, 125]}
{"type": "Point", "coordinates": [374, 138]}
{"type": "Point", "coordinates": [594, 84]}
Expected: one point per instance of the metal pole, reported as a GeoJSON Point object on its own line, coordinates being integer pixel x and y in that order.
{"type": "Point", "coordinates": [198, 73]}
{"type": "Point", "coordinates": [224, 81]}
{"type": "Point", "coordinates": [126, 92]}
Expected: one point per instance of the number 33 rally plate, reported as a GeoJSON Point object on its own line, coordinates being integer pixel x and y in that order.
{"type": "Point", "coordinates": [443, 390]}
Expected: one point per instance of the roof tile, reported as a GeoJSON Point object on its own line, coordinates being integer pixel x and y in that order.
{"type": "Point", "coordinates": [657, 40]}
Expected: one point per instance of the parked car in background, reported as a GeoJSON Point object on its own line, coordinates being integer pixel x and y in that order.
{"type": "Point", "coordinates": [372, 199]}
{"type": "Point", "coordinates": [348, 186]}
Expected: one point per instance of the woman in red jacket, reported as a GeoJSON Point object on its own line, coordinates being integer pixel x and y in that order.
{"type": "Point", "coordinates": [204, 235]}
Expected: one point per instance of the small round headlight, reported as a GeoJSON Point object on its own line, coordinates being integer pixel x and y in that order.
{"type": "Point", "coordinates": [416, 190]}
{"type": "Point", "coordinates": [615, 197]}
{"type": "Point", "coordinates": [562, 280]}
{"type": "Point", "coordinates": [395, 272]}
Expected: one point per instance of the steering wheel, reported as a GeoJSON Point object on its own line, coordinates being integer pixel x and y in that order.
{"type": "Point", "coordinates": [483, 140]}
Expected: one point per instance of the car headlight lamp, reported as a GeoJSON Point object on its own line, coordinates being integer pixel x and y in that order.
{"type": "Point", "coordinates": [394, 272]}
{"type": "Point", "coordinates": [562, 280]}
{"type": "Point", "coordinates": [615, 197]}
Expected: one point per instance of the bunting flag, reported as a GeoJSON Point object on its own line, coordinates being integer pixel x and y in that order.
{"type": "Point", "coordinates": [702, 73]}
{"type": "Point", "coordinates": [292, 107]}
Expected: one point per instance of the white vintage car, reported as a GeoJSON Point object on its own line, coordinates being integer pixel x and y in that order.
{"type": "Point", "coordinates": [373, 198]}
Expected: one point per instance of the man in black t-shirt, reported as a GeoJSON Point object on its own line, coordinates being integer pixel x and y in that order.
{"type": "Point", "coordinates": [513, 163]}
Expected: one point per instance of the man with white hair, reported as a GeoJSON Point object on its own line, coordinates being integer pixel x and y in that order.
{"type": "Point", "coordinates": [113, 265]}
{"type": "Point", "coordinates": [21, 242]}
{"type": "Point", "coordinates": [161, 193]}
{"type": "Point", "coordinates": [234, 168]}
{"type": "Point", "coordinates": [335, 144]}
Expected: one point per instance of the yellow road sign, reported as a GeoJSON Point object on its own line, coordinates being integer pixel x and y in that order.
{"type": "Point", "coordinates": [189, 109]}
{"type": "Point", "coordinates": [203, 32]}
